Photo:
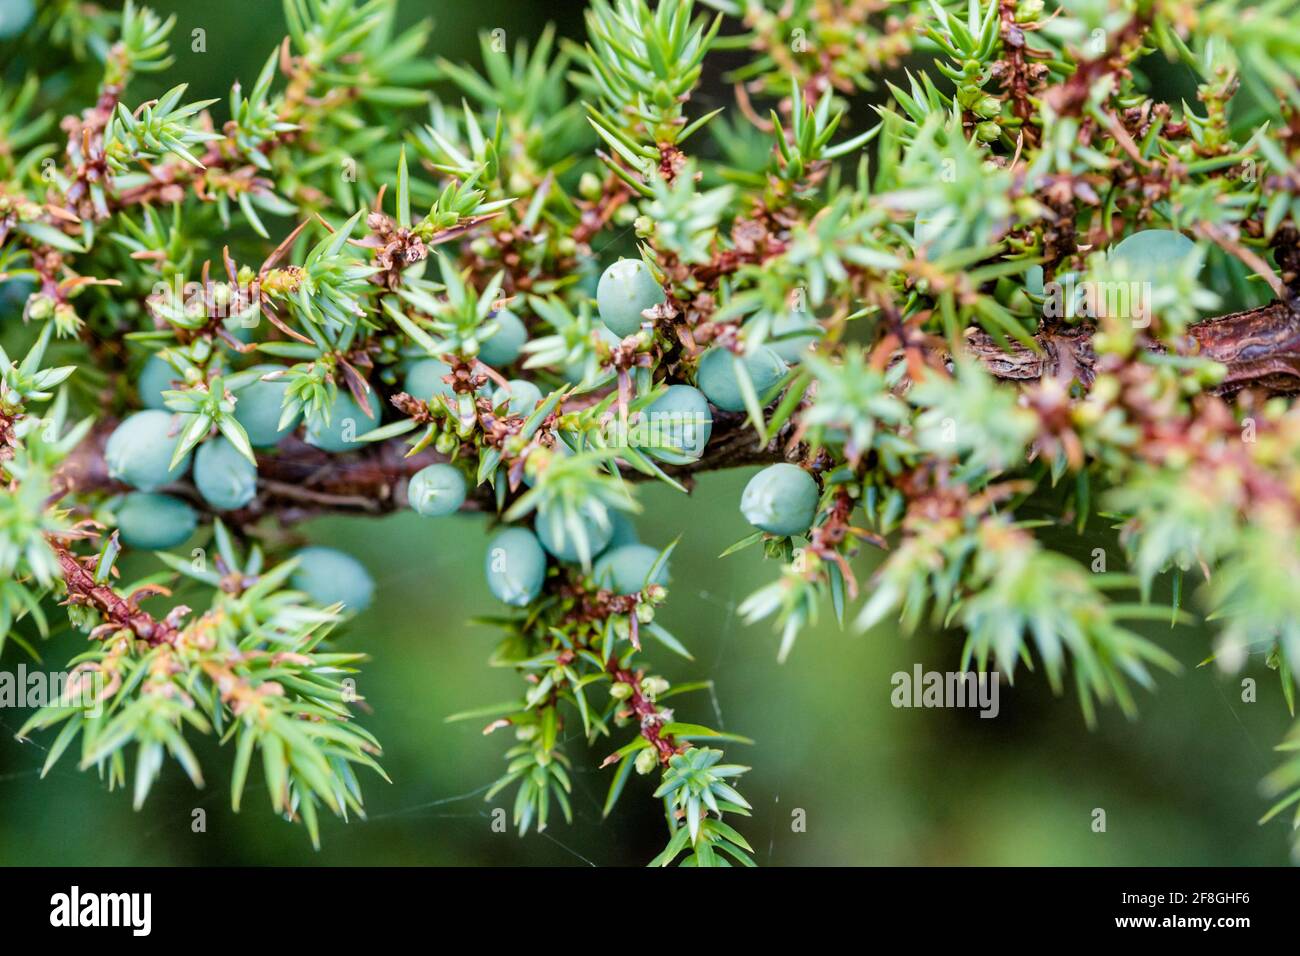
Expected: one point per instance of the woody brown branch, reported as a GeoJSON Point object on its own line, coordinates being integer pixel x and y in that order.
{"type": "Point", "coordinates": [119, 614]}
{"type": "Point", "coordinates": [1259, 347]}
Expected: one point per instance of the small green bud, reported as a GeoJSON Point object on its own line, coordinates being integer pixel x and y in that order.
{"type": "Point", "coordinates": [39, 307]}
{"type": "Point", "coordinates": [652, 687]}
{"type": "Point", "coordinates": [589, 186]}
{"type": "Point", "coordinates": [646, 761]}
{"type": "Point", "coordinates": [445, 443]}
{"type": "Point", "coordinates": [1212, 373]}
{"type": "Point", "coordinates": [621, 691]}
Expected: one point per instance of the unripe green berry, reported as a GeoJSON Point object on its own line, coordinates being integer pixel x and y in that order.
{"type": "Point", "coordinates": [677, 425]}
{"type": "Point", "coordinates": [436, 490]}
{"type": "Point", "coordinates": [156, 377]}
{"type": "Point", "coordinates": [624, 531]}
{"type": "Point", "coordinates": [515, 566]}
{"type": "Point", "coordinates": [139, 451]}
{"type": "Point", "coordinates": [153, 522]}
{"type": "Point", "coordinates": [716, 376]}
{"type": "Point", "coordinates": [793, 335]}
{"type": "Point", "coordinates": [626, 570]}
{"type": "Point", "coordinates": [781, 499]}
{"type": "Point", "coordinates": [1153, 254]}
{"type": "Point", "coordinates": [328, 576]}
{"type": "Point", "coordinates": [424, 379]}
{"type": "Point", "coordinates": [347, 422]}
{"type": "Point", "coordinates": [519, 396]}
{"type": "Point", "coordinates": [259, 406]}
{"type": "Point", "coordinates": [225, 478]}
{"type": "Point", "coordinates": [564, 543]}
{"type": "Point", "coordinates": [626, 289]}
{"type": "Point", "coordinates": [503, 346]}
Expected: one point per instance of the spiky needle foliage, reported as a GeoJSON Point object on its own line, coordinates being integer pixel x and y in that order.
{"type": "Point", "coordinates": [992, 286]}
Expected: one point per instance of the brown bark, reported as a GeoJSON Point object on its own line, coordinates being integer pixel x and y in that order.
{"type": "Point", "coordinates": [1260, 347]}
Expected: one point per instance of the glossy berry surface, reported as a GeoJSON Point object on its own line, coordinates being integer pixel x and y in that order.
{"type": "Point", "coordinates": [153, 522]}
{"type": "Point", "coordinates": [626, 570]}
{"type": "Point", "coordinates": [625, 290]}
{"type": "Point", "coordinates": [347, 423]}
{"type": "Point", "coordinates": [1152, 252]}
{"type": "Point", "coordinates": [780, 499]}
{"type": "Point", "coordinates": [156, 377]}
{"type": "Point", "coordinates": [258, 407]}
{"type": "Point", "coordinates": [677, 425]}
{"type": "Point", "coordinates": [623, 531]}
{"type": "Point", "coordinates": [792, 335]}
{"type": "Point", "coordinates": [522, 397]}
{"type": "Point", "coordinates": [515, 566]}
{"type": "Point", "coordinates": [139, 451]}
{"type": "Point", "coordinates": [716, 376]}
{"type": "Point", "coordinates": [225, 478]}
{"type": "Point", "coordinates": [436, 490]}
{"type": "Point", "coordinates": [329, 576]}
{"type": "Point", "coordinates": [503, 346]}
{"type": "Point", "coordinates": [574, 545]}
{"type": "Point", "coordinates": [424, 379]}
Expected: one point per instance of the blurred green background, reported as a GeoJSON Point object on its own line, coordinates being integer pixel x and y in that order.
{"type": "Point", "coordinates": [877, 785]}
